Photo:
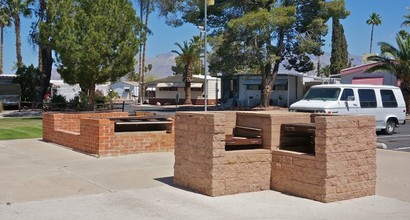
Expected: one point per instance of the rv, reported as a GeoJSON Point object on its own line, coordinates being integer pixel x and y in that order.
{"type": "Point", "coordinates": [386, 103]}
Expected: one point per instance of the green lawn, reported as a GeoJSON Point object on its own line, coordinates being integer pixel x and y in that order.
{"type": "Point", "coordinates": [20, 128]}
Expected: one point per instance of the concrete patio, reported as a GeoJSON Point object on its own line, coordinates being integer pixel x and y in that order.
{"type": "Point", "coordinates": [45, 181]}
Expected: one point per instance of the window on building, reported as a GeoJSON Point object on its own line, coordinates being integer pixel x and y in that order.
{"type": "Point", "coordinates": [168, 89]}
{"type": "Point", "coordinates": [388, 99]}
{"type": "Point", "coordinates": [196, 89]}
{"type": "Point", "coordinates": [367, 98]}
{"type": "Point", "coordinates": [280, 84]}
{"type": "Point", "coordinates": [253, 87]}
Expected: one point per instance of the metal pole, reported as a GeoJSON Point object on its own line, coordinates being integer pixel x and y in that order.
{"type": "Point", "coordinates": [205, 56]}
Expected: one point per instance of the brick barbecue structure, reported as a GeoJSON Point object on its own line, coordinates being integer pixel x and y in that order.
{"type": "Point", "coordinates": [102, 134]}
{"type": "Point", "coordinates": [324, 158]}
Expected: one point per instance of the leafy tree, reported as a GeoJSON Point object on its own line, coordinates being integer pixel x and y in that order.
{"type": "Point", "coordinates": [395, 60]}
{"type": "Point", "coordinates": [45, 59]}
{"type": "Point", "coordinates": [258, 36]}
{"type": "Point", "coordinates": [26, 78]}
{"type": "Point", "coordinates": [5, 21]}
{"type": "Point", "coordinates": [189, 54]}
{"type": "Point", "coordinates": [15, 8]}
{"type": "Point", "coordinates": [374, 19]}
{"type": "Point", "coordinates": [95, 41]}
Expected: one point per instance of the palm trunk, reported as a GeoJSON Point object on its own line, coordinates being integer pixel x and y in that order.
{"type": "Point", "coordinates": [371, 39]}
{"type": "Point", "coordinates": [144, 52]}
{"type": "Point", "coordinates": [18, 40]}
{"type": "Point", "coordinates": [1, 50]}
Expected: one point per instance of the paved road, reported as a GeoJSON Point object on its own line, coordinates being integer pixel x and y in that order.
{"type": "Point", "coordinates": [399, 141]}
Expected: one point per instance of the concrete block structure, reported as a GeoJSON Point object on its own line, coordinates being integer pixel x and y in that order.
{"type": "Point", "coordinates": [341, 165]}
{"type": "Point", "coordinates": [203, 165]}
{"type": "Point", "coordinates": [94, 133]}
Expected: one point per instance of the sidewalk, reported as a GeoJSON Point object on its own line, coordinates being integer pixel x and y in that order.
{"type": "Point", "coordinates": [45, 181]}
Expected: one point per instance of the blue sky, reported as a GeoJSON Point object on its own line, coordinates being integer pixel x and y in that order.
{"type": "Point", "coordinates": [164, 37]}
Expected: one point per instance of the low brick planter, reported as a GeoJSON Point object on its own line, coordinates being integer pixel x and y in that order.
{"type": "Point", "coordinates": [94, 133]}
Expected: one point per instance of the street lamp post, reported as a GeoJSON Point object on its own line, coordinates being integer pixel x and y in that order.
{"type": "Point", "coordinates": [206, 2]}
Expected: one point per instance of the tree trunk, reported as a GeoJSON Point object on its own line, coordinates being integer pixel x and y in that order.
{"type": "Point", "coordinates": [371, 39]}
{"type": "Point", "coordinates": [267, 85]}
{"type": "Point", "coordinates": [18, 40]}
{"type": "Point", "coordinates": [91, 97]}
{"type": "Point", "coordinates": [45, 65]}
{"type": "Point", "coordinates": [269, 73]}
{"type": "Point", "coordinates": [1, 49]}
{"type": "Point", "coordinates": [187, 90]}
{"type": "Point", "coordinates": [144, 52]}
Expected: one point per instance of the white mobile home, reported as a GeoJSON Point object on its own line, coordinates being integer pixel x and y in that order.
{"type": "Point", "coordinates": [166, 90]}
{"type": "Point", "coordinates": [245, 90]}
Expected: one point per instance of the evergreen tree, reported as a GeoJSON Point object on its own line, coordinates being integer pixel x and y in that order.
{"type": "Point", "coordinates": [257, 36]}
{"type": "Point", "coordinates": [95, 41]}
{"type": "Point", "coordinates": [339, 55]}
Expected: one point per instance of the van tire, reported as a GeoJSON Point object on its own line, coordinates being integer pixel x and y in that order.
{"type": "Point", "coordinates": [390, 127]}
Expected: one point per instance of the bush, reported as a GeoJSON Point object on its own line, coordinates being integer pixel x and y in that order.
{"type": "Point", "coordinates": [1, 107]}
{"type": "Point", "coordinates": [58, 101]}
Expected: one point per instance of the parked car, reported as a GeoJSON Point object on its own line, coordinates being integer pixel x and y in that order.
{"type": "Point", "coordinates": [10, 95]}
{"type": "Point", "coordinates": [386, 103]}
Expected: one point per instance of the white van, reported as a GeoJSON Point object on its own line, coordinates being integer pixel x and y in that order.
{"type": "Point", "coordinates": [385, 102]}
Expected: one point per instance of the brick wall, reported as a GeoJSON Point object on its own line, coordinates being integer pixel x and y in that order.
{"type": "Point", "coordinates": [203, 165]}
{"type": "Point", "coordinates": [93, 133]}
{"type": "Point", "coordinates": [343, 167]}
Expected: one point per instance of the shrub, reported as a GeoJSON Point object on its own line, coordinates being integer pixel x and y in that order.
{"type": "Point", "coordinates": [58, 101]}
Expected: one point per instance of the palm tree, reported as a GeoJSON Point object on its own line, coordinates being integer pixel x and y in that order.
{"type": "Point", "coordinates": [374, 19]}
{"type": "Point", "coordinates": [406, 21]}
{"type": "Point", "coordinates": [15, 8]}
{"type": "Point", "coordinates": [396, 61]}
{"type": "Point", "coordinates": [5, 21]}
{"type": "Point", "coordinates": [189, 54]}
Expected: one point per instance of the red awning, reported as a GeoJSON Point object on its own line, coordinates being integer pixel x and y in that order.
{"type": "Point", "coordinates": [371, 81]}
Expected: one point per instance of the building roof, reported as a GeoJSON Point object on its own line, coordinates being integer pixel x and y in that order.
{"type": "Point", "coordinates": [358, 69]}
{"type": "Point", "coordinates": [178, 79]}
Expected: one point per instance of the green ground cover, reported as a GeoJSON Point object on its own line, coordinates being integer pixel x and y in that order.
{"type": "Point", "coordinates": [20, 128]}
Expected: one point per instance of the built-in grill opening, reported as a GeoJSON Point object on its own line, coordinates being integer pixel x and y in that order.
{"type": "Point", "coordinates": [143, 123]}
{"type": "Point", "coordinates": [244, 138]}
{"type": "Point", "coordinates": [298, 137]}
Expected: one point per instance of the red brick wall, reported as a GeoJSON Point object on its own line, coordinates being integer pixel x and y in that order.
{"type": "Point", "coordinates": [94, 134]}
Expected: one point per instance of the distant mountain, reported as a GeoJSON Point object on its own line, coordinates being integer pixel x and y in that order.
{"type": "Point", "coordinates": [162, 63]}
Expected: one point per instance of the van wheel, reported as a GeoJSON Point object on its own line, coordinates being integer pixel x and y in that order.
{"type": "Point", "coordinates": [390, 127]}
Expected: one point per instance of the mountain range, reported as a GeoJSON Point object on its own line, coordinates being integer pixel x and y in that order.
{"type": "Point", "coordinates": [162, 63]}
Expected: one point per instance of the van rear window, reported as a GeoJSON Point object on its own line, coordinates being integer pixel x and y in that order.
{"type": "Point", "coordinates": [367, 98]}
{"type": "Point", "coordinates": [322, 94]}
{"type": "Point", "coordinates": [388, 99]}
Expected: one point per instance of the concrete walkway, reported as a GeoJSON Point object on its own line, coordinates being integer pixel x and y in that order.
{"type": "Point", "coordinates": [40, 180]}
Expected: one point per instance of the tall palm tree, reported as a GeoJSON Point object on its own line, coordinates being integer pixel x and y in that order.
{"type": "Point", "coordinates": [5, 21]}
{"type": "Point", "coordinates": [374, 19]}
{"type": "Point", "coordinates": [15, 9]}
{"type": "Point", "coordinates": [396, 61]}
{"type": "Point", "coordinates": [189, 54]}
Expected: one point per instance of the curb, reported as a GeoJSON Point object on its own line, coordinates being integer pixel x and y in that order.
{"type": "Point", "coordinates": [381, 146]}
